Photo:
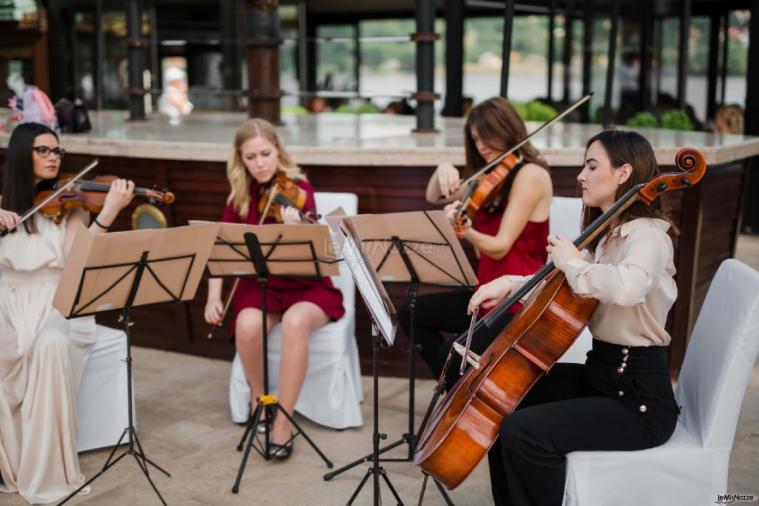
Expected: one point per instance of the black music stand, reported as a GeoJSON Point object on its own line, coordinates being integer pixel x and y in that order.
{"type": "Point", "coordinates": [384, 323]}
{"type": "Point", "coordinates": [415, 248]}
{"type": "Point", "coordinates": [292, 251]}
{"type": "Point", "coordinates": [150, 267]}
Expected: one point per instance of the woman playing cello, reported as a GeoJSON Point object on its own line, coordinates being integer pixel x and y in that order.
{"type": "Point", "coordinates": [621, 398]}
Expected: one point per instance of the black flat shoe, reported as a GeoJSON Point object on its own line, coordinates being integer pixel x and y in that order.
{"type": "Point", "coordinates": [282, 451]}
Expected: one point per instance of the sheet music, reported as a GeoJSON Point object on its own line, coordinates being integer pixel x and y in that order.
{"type": "Point", "coordinates": [367, 288]}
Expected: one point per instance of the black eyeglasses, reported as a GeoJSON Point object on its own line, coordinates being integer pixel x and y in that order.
{"type": "Point", "coordinates": [45, 151]}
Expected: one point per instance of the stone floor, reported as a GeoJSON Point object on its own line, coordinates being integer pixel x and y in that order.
{"type": "Point", "coordinates": [184, 426]}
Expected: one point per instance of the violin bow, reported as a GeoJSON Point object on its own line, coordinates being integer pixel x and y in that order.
{"type": "Point", "coordinates": [28, 214]}
{"type": "Point", "coordinates": [527, 139]}
{"type": "Point", "coordinates": [232, 291]}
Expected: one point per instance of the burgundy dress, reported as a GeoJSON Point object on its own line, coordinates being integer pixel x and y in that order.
{"type": "Point", "coordinates": [281, 293]}
{"type": "Point", "coordinates": [526, 256]}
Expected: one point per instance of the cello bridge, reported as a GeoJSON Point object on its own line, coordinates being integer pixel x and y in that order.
{"type": "Point", "coordinates": [471, 357]}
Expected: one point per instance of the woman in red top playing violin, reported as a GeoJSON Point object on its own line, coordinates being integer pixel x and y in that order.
{"type": "Point", "coordinates": [301, 305]}
{"type": "Point", "coordinates": [509, 233]}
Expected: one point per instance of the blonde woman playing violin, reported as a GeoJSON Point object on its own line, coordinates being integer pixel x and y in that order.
{"type": "Point", "coordinates": [42, 355]}
{"type": "Point", "coordinates": [301, 305]}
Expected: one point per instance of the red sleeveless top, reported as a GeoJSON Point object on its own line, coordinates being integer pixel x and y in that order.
{"type": "Point", "coordinates": [526, 256]}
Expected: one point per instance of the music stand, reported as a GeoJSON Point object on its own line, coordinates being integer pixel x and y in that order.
{"type": "Point", "coordinates": [302, 251]}
{"type": "Point", "coordinates": [384, 325]}
{"type": "Point", "coordinates": [415, 248]}
{"type": "Point", "coordinates": [122, 270]}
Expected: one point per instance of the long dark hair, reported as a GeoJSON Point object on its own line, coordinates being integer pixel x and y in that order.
{"type": "Point", "coordinates": [499, 126]}
{"type": "Point", "coordinates": [627, 147]}
{"type": "Point", "coordinates": [18, 178]}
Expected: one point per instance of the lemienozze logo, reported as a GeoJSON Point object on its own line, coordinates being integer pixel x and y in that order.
{"type": "Point", "coordinates": [731, 498]}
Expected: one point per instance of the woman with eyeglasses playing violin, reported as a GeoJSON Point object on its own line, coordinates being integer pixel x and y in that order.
{"type": "Point", "coordinates": [42, 355]}
{"type": "Point", "coordinates": [259, 160]}
{"type": "Point", "coordinates": [508, 234]}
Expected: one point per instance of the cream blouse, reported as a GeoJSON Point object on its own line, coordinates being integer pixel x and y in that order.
{"type": "Point", "coordinates": [632, 278]}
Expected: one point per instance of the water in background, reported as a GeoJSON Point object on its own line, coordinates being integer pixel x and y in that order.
{"type": "Point", "coordinates": [525, 87]}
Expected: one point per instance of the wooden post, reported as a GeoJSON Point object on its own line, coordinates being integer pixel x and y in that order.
{"type": "Point", "coordinates": [262, 54]}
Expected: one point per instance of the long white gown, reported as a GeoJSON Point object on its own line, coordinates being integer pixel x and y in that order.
{"type": "Point", "coordinates": [42, 356]}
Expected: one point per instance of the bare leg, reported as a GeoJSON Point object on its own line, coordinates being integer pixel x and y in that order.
{"type": "Point", "coordinates": [298, 322]}
{"type": "Point", "coordinates": [248, 337]}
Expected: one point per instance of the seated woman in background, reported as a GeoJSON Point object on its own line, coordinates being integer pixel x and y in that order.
{"type": "Point", "coordinates": [729, 119]}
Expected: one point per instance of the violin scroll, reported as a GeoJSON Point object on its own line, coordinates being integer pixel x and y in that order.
{"type": "Point", "coordinates": [690, 162]}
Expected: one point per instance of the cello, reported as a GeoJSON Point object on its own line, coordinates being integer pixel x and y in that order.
{"type": "Point", "coordinates": [458, 430]}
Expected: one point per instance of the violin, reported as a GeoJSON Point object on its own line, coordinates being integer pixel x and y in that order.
{"type": "Point", "coordinates": [283, 191]}
{"type": "Point", "coordinates": [88, 195]}
{"type": "Point", "coordinates": [485, 189]}
{"type": "Point", "coordinates": [457, 431]}
{"type": "Point", "coordinates": [486, 184]}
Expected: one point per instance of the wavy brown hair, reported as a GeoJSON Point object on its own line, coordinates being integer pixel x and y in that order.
{"type": "Point", "coordinates": [627, 147]}
{"type": "Point", "coordinates": [499, 126]}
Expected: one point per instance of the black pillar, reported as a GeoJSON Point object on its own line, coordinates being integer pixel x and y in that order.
{"type": "Point", "coordinates": [610, 67]}
{"type": "Point", "coordinates": [425, 38]}
{"type": "Point", "coordinates": [60, 54]}
{"type": "Point", "coordinates": [301, 67]}
{"type": "Point", "coordinates": [587, 57]}
{"type": "Point", "coordinates": [567, 57]}
{"type": "Point", "coordinates": [230, 47]}
{"type": "Point", "coordinates": [99, 51]}
{"type": "Point", "coordinates": [357, 56]}
{"type": "Point", "coordinates": [725, 47]}
{"type": "Point", "coordinates": [751, 193]}
{"type": "Point", "coordinates": [311, 58]}
{"type": "Point", "coordinates": [136, 59]}
{"type": "Point", "coordinates": [713, 68]}
{"type": "Point", "coordinates": [262, 55]}
{"type": "Point", "coordinates": [454, 58]}
{"type": "Point", "coordinates": [508, 23]}
{"type": "Point", "coordinates": [682, 62]}
{"type": "Point", "coordinates": [551, 43]}
{"type": "Point", "coordinates": [646, 54]}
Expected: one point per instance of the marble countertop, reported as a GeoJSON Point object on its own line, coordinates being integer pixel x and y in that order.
{"type": "Point", "coordinates": [366, 140]}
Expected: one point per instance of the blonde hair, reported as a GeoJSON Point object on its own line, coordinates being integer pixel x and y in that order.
{"type": "Point", "coordinates": [732, 116]}
{"type": "Point", "coordinates": [238, 175]}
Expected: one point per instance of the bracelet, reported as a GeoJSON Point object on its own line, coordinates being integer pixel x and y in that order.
{"type": "Point", "coordinates": [96, 222]}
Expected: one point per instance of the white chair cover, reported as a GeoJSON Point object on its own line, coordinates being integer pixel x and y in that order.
{"type": "Point", "coordinates": [566, 220]}
{"type": "Point", "coordinates": [332, 391]}
{"type": "Point", "coordinates": [691, 468]}
{"type": "Point", "coordinates": [102, 402]}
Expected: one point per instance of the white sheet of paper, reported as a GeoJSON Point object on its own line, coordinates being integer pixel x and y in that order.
{"type": "Point", "coordinates": [367, 289]}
